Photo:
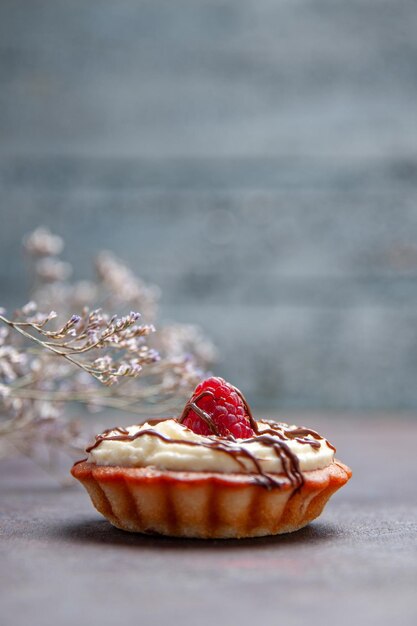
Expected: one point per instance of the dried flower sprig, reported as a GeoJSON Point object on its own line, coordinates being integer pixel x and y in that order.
{"type": "Point", "coordinates": [82, 335]}
{"type": "Point", "coordinates": [45, 367]}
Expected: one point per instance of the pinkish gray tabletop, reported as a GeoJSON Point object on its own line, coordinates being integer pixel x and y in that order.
{"type": "Point", "coordinates": [62, 564]}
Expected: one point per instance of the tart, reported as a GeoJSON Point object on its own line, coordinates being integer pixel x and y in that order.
{"type": "Point", "coordinates": [213, 472]}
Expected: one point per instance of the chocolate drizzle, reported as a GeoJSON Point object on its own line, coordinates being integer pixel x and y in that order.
{"type": "Point", "coordinates": [118, 429]}
{"type": "Point", "coordinates": [300, 434]}
{"type": "Point", "coordinates": [193, 406]}
{"type": "Point", "coordinates": [275, 437]}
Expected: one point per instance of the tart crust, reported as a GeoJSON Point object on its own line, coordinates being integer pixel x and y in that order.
{"type": "Point", "coordinates": [206, 504]}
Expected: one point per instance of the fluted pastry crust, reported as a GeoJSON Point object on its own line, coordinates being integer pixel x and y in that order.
{"type": "Point", "coordinates": [206, 504]}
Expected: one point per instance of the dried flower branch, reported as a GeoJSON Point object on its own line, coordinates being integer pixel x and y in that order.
{"type": "Point", "coordinates": [46, 367]}
{"type": "Point", "coordinates": [95, 331]}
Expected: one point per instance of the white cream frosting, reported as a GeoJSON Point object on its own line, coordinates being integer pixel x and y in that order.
{"type": "Point", "coordinates": [149, 450]}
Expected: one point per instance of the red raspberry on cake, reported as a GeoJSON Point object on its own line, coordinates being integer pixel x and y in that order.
{"type": "Point", "coordinates": [218, 408]}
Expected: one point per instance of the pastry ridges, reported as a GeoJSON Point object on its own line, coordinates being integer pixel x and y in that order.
{"type": "Point", "coordinates": [206, 504]}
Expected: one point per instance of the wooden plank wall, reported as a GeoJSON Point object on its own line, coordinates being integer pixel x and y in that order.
{"type": "Point", "coordinates": [257, 160]}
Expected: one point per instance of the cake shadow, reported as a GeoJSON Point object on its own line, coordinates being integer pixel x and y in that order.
{"type": "Point", "coordinates": [101, 532]}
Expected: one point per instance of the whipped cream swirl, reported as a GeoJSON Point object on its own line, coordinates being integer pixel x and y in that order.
{"type": "Point", "coordinates": [169, 445]}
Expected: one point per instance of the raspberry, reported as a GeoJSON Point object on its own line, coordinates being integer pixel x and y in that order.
{"type": "Point", "coordinates": [228, 412]}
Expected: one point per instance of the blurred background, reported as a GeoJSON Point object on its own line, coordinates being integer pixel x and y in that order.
{"type": "Point", "coordinates": [255, 159]}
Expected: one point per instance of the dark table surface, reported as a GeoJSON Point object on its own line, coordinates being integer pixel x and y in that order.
{"type": "Point", "coordinates": [62, 564]}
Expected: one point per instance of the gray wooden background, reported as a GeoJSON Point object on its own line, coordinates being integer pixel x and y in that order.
{"type": "Point", "coordinates": [256, 159]}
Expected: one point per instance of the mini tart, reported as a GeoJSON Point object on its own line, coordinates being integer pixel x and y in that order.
{"type": "Point", "coordinates": [161, 477]}
{"type": "Point", "coordinates": [207, 504]}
